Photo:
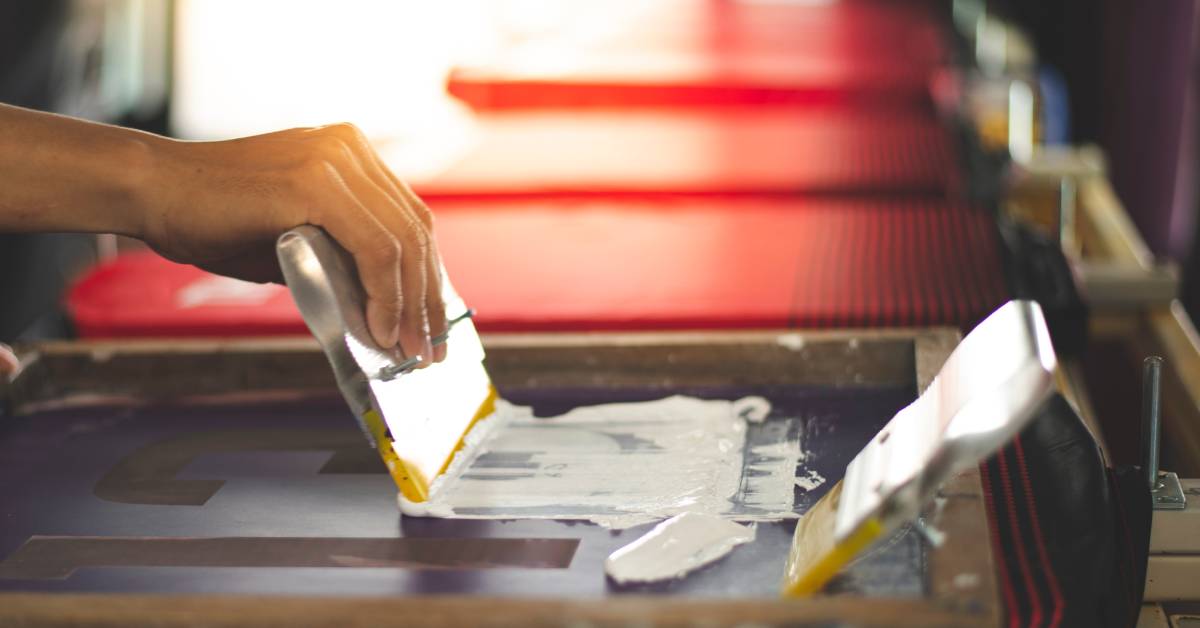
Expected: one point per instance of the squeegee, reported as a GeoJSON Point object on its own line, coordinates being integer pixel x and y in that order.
{"type": "Point", "coordinates": [415, 418]}
{"type": "Point", "coordinates": [990, 388]}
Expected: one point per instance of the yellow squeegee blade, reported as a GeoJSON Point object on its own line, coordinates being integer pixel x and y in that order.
{"type": "Point", "coordinates": [816, 555]}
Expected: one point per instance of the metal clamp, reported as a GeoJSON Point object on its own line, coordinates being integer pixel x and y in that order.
{"type": "Point", "coordinates": [1165, 488]}
{"type": "Point", "coordinates": [390, 372]}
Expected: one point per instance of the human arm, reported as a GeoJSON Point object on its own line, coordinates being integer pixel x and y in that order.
{"type": "Point", "coordinates": [221, 205]}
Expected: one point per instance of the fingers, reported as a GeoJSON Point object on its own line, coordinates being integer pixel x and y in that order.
{"type": "Point", "coordinates": [8, 362]}
{"type": "Point", "coordinates": [388, 231]}
{"type": "Point", "coordinates": [390, 249]}
{"type": "Point", "coordinates": [438, 324]}
{"type": "Point", "coordinates": [408, 209]}
{"type": "Point", "coordinates": [376, 254]}
{"type": "Point", "coordinates": [435, 306]}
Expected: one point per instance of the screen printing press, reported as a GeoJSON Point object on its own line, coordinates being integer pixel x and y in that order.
{"type": "Point", "coordinates": [226, 480]}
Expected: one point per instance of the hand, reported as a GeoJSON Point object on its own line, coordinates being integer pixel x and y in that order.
{"type": "Point", "coordinates": [8, 363]}
{"type": "Point", "coordinates": [221, 206]}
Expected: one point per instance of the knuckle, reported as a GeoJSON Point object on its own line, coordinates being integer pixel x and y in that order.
{"type": "Point", "coordinates": [350, 136]}
{"type": "Point", "coordinates": [299, 183]}
{"type": "Point", "coordinates": [347, 130]}
{"type": "Point", "coordinates": [421, 239]}
{"type": "Point", "coordinates": [315, 167]}
{"type": "Point", "coordinates": [388, 252]}
{"type": "Point", "coordinates": [379, 251]}
{"type": "Point", "coordinates": [315, 173]}
{"type": "Point", "coordinates": [328, 144]}
{"type": "Point", "coordinates": [425, 215]}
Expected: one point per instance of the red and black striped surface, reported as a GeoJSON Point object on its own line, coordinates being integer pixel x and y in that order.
{"type": "Point", "coordinates": [789, 216]}
{"type": "Point", "coordinates": [785, 150]}
{"type": "Point", "coordinates": [640, 263]}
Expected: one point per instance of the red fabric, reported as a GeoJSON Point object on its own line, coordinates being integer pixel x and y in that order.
{"type": "Point", "coordinates": [648, 264]}
{"type": "Point", "coordinates": [636, 263]}
{"type": "Point", "coordinates": [736, 262]}
{"type": "Point", "coordinates": [896, 263]}
{"type": "Point", "coordinates": [143, 295]}
{"type": "Point", "coordinates": [688, 52]}
{"type": "Point", "coordinates": [752, 150]}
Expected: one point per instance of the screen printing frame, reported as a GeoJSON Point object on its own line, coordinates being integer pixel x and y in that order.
{"type": "Point", "coordinates": [81, 373]}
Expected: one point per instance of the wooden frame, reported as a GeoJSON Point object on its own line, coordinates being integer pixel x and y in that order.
{"type": "Point", "coordinates": [1153, 616]}
{"type": "Point", "coordinates": [1131, 296]}
{"type": "Point", "coordinates": [1158, 327]}
{"type": "Point", "coordinates": [1132, 302]}
{"type": "Point", "coordinates": [78, 373]}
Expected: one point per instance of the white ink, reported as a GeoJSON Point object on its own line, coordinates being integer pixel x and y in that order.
{"type": "Point", "coordinates": [620, 465]}
{"type": "Point", "coordinates": [676, 547]}
{"type": "Point", "coordinates": [793, 342]}
{"type": "Point", "coordinates": [966, 581]}
{"type": "Point", "coordinates": [810, 481]}
{"type": "Point", "coordinates": [752, 409]}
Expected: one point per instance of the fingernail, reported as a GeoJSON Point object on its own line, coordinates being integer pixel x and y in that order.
{"type": "Point", "coordinates": [427, 350]}
{"type": "Point", "coordinates": [439, 352]}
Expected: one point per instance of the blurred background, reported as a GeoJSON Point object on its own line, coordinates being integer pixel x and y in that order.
{"type": "Point", "coordinates": [670, 164]}
{"type": "Point", "coordinates": [1107, 73]}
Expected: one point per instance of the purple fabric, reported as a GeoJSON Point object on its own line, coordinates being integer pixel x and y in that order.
{"type": "Point", "coordinates": [1149, 61]}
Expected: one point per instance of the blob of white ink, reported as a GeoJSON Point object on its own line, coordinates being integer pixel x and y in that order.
{"type": "Point", "coordinates": [966, 580]}
{"type": "Point", "coordinates": [752, 409]}
{"type": "Point", "coordinates": [675, 548]}
{"type": "Point", "coordinates": [810, 481]}
{"type": "Point", "coordinates": [792, 341]}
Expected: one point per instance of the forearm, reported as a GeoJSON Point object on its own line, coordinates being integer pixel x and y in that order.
{"type": "Point", "coordinates": [221, 205]}
{"type": "Point", "coordinates": [63, 174]}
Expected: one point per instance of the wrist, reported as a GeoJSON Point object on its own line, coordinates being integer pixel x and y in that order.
{"type": "Point", "coordinates": [138, 178]}
{"type": "Point", "coordinates": [63, 174]}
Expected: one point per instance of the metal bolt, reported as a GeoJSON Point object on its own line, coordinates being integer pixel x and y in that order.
{"type": "Point", "coordinates": [1067, 196]}
{"type": "Point", "coordinates": [1151, 417]}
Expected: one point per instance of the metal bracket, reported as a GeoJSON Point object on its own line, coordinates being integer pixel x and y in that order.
{"type": "Point", "coordinates": [1168, 492]}
{"type": "Point", "coordinates": [1165, 488]}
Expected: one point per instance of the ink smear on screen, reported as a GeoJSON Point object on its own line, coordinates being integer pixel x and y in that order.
{"type": "Point", "coordinates": [623, 464]}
